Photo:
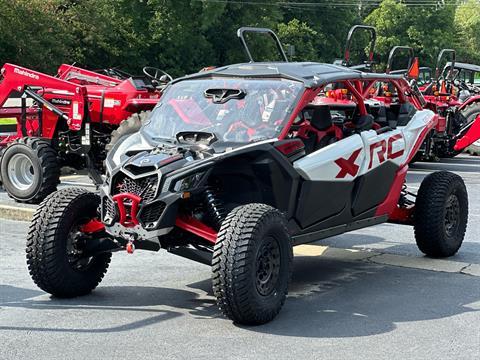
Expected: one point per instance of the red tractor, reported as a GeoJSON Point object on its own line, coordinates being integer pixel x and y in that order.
{"type": "Point", "coordinates": [67, 120]}
{"type": "Point", "coordinates": [458, 108]}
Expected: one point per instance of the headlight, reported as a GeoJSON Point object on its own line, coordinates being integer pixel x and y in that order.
{"type": "Point", "coordinates": [189, 182]}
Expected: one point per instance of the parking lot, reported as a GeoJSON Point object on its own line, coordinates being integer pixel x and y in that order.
{"type": "Point", "coordinates": [364, 294]}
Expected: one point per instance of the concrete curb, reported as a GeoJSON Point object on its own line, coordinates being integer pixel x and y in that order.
{"type": "Point", "coordinates": [16, 213]}
{"type": "Point", "coordinates": [375, 257]}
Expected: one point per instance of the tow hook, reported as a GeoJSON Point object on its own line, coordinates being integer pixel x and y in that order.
{"type": "Point", "coordinates": [130, 247]}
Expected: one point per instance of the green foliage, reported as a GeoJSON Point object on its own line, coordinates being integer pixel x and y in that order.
{"type": "Point", "coordinates": [467, 23]}
{"type": "Point", "coordinates": [301, 37]}
{"type": "Point", "coordinates": [33, 34]}
{"type": "Point", "coordinates": [183, 36]}
{"type": "Point", "coordinates": [425, 28]}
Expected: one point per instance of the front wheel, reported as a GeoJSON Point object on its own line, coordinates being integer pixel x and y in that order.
{"type": "Point", "coordinates": [56, 245]}
{"type": "Point", "coordinates": [252, 264]}
{"type": "Point", "coordinates": [441, 214]}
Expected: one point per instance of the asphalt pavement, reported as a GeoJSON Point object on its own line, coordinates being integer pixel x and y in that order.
{"type": "Point", "coordinates": [345, 302]}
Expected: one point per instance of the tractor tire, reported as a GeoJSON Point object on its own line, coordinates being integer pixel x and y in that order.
{"type": "Point", "coordinates": [441, 214]}
{"type": "Point", "coordinates": [128, 126]}
{"type": "Point", "coordinates": [474, 149]}
{"type": "Point", "coordinates": [252, 264]}
{"type": "Point", "coordinates": [30, 170]}
{"type": "Point", "coordinates": [470, 112]}
{"type": "Point", "coordinates": [53, 249]}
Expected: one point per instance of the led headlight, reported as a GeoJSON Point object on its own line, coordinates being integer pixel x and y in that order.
{"type": "Point", "coordinates": [189, 182]}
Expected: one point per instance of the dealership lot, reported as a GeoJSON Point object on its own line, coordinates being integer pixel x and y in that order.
{"type": "Point", "coordinates": [365, 294]}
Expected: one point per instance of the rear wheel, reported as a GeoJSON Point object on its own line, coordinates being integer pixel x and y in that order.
{"type": "Point", "coordinates": [251, 266]}
{"type": "Point", "coordinates": [128, 126]}
{"type": "Point", "coordinates": [470, 113]}
{"type": "Point", "coordinates": [56, 245]}
{"type": "Point", "coordinates": [441, 214]}
{"type": "Point", "coordinates": [30, 170]}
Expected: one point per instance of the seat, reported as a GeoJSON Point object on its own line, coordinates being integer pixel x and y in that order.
{"type": "Point", "coordinates": [321, 118]}
{"type": "Point", "coordinates": [405, 113]}
{"type": "Point", "coordinates": [364, 122]}
{"type": "Point", "coordinates": [320, 131]}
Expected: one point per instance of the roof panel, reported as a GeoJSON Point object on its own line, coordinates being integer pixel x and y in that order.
{"type": "Point", "coordinates": [310, 73]}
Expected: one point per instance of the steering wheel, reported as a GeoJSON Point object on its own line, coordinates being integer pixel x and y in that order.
{"type": "Point", "coordinates": [156, 74]}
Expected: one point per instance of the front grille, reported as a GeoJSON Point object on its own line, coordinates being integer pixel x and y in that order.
{"type": "Point", "coordinates": [151, 213]}
{"type": "Point", "coordinates": [145, 187]}
{"type": "Point", "coordinates": [109, 210]}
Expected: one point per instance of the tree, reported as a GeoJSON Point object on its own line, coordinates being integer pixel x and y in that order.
{"type": "Point", "coordinates": [467, 23]}
{"type": "Point", "coordinates": [331, 24]}
{"type": "Point", "coordinates": [110, 33]}
{"type": "Point", "coordinates": [33, 34]}
{"type": "Point", "coordinates": [301, 37]}
{"type": "Point", "coordinates": [426, 28]}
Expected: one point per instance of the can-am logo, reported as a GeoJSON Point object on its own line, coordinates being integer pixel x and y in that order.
{"type": "Point", "coordinates": [60, 101]}
{"type": "Point", "coordinates": [26, 73]}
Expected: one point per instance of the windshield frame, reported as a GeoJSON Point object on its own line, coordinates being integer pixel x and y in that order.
{"type": "Point", "coordinates": [289, 114]}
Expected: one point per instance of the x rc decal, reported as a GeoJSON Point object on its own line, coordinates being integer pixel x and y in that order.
{"type": "Point", "coordinates": [348, 166]}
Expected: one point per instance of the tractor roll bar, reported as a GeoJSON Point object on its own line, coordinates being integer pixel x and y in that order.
{"type": "Point", "coordinates": [394, 51]}
{"type": "Point", "coordinates": [243, 30]}
{"type": "Point", "coordinates": [442, 53]}
{"type": "Point", "coordinates": [373, 38]}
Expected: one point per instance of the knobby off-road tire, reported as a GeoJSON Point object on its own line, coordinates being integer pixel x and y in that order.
{"type": "Point", "coordinates": [252, 264]}
{"type": "Point", "coordinates": [30, 170]}
{"type": "Point", "coordinates": [51, 264]}
{"type": "Point", "coordinates": [441, 214]}
{"type": "Point", "coordinates": [128, 126]}
{"type": "Point", "coordinates": [470, 113]}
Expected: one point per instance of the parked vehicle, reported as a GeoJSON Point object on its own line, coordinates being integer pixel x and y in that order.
{"type": "Point", "coordinates": [458, 108]}
{"type": "Point", "coordinates": [354, 32]}
{"type": "Point", "coordinates": [67, 120]}
{"type": "Point", "coordinates": [238, 164]}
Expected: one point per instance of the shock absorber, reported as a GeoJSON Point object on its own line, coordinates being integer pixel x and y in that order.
{"type": "Point", "coordinates": [214, 207]}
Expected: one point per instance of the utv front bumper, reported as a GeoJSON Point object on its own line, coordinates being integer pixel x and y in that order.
{"type": "Point", "coordinates": [128, 215]}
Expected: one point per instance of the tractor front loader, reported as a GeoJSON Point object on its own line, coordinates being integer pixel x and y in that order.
{"type": "Point", "coordinates": [68, 120]}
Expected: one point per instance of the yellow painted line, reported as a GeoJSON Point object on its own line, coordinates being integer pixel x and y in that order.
{"type": "Point", "coordinates": [333, 253]}
{"type": "Point", "coordinates": [309, 250]}
{"type": "Point", "coordinates": [412, 262]}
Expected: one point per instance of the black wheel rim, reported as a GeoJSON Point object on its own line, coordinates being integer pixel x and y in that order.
{"type": "Point", "coordinates": [267, 266]}
{"type": "Point", "coordinates": [75, 249]}
{"type": "Point", "coordinates": [452, 215]}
